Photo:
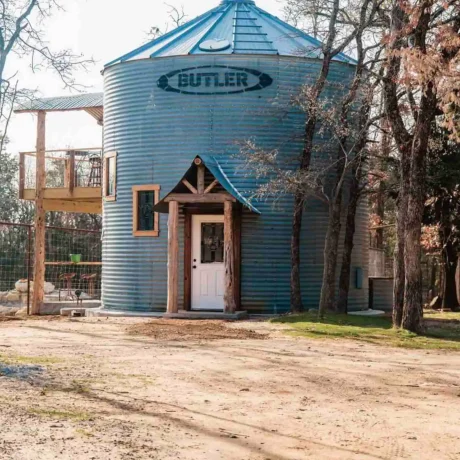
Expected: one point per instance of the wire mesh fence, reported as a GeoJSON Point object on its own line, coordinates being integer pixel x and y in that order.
{"type": "Point", "coordinates": [72, 269]}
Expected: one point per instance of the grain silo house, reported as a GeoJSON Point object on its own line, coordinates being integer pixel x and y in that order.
{"type": "Point", "coordinates": [181, 231]}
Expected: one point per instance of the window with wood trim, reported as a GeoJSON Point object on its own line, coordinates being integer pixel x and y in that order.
{"type": "Point", "coordinates": [110, 176]}
{"type": "Point", "coordinates": [145, 221]}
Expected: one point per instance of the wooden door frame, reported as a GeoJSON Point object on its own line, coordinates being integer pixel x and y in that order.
{"type": "Point", "coordinates": [188, 213]}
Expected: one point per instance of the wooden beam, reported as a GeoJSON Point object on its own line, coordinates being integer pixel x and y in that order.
{"type": "Point", "coordinates": [189, 186]}
{"type": "Point", "coordinates": [237, 254]}
{"type": "Point", "coordinates": [211, 186]}
{"type": "Point", "coordinates": [173, 258]}
{"type": "Point", "coordinates": [208, 198]}
{"type": "Point", "coordinates": [200, 178]}
{"type": "Point", "coordinates": [188, 262]}
{"type": "Point", "coordinates": [22, 175]}
{"type": "Point", "coordinates": [79, 150]}
{"type": "Point", "coordinates": [70, 172]}
{"type": "Point", "coordinates": [229, 261]}
{"type": "Point", "coordinates": [61, 193]}
{"type": "Point", "coordinates": [40, 217]}
{"type": "Point", "coordinates": [86, 207]}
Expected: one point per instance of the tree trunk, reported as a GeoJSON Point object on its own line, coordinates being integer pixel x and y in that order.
{"type": "Point", "coordinates": [296, 292]}
{"type": "Point", "coordinates": [385, 151]}
{"type": "Point", "coordinates": [399, 262]}
{"type": "Point", "coordinates": [399, 272]}
{"type": "Point", "coordinates": [413, 298]}
{"type": "Point", "coordinates": [345, 270]}
{"type": "Point", "coordinates": [331, 249]}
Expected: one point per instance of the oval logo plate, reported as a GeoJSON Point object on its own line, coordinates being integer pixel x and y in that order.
{"type": "Point", "coordinates": [214, 79]}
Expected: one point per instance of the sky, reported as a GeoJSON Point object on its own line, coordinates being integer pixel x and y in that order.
{"type": "Point", "coordinates": [102, 30]}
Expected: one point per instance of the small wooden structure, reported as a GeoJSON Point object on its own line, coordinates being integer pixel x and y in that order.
{"type": "Point", "coordinates": [70, 197]}
{"type": "Point", "coordinates": [203, 197]}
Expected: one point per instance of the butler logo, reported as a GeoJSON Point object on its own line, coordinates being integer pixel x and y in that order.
{"type": "Point", "coordinates": [216, 79]}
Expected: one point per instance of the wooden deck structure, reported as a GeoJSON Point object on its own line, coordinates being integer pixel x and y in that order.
{"type": "Point", "coordinates": [70, 197]}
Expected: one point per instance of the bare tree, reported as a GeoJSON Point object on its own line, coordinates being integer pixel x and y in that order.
{"type": "Point", "coordinates": [422, 64]}
{"type": "Point", "coordinates": [22, 34]}
{"type": "Point", "coordinates": [176, 18]}
{"type": "Point", "coordinates": [342, 25]}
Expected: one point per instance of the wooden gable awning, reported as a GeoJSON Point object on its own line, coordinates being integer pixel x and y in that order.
{"type": "Point", "coordinates": [193, 189]}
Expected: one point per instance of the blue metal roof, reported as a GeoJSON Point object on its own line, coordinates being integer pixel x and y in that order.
{"type": "Point", "coordinates": [234, 27]}
{"type": "Point", "coordinates": [63, 103]}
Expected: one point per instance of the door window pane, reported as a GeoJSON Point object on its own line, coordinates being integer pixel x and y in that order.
{"type": "Point", "coordinates": [145, 203]}
{"type": "Point", "coordinates": [212, 243]}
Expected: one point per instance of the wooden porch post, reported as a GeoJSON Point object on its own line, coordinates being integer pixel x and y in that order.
{"type": "Point", "coordinates": [40, 216]}
{"type": "Point", "coordinates": [173, 257]}
{"type": "Point", "coordinates": [229, 261]}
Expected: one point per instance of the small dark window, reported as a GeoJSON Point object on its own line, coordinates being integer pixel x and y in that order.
{"type": "Point", "coordinates": [145, 220]}
{"type": "Point", "coordinates": [145, 215]}
{"type": "Point", "coordinates": [212, 243]}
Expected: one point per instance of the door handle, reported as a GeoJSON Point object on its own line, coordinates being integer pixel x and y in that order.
{"type": "Point", "coordinates": [194, 266]}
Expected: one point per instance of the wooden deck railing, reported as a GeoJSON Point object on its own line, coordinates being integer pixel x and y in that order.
{"type": "Point", "coordinates": [64, 168]}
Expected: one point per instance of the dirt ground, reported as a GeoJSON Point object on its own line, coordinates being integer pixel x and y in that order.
{"type": "Point", "coordinates": [100, 389]}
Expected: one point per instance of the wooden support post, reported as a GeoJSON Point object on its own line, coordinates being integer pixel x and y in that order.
{"type": "Point", "coordinates": [40, 216]}
{"type": "Point", "coordinates": [71, 171]}
{"type": "Point", "coordinates": [188, 262]}
{"type": "Point", "coordinates": [229, 261]}
{"type": "Point", "coordinates": [237, 254]}
{"type": "Point", "coordinates": [22, 175]}
{"type": "Point", "coordinates": [173, 258]}
{"type": "Point", "coordinates": [66, 173]}
{"type": "Point", "coordinates": [200, 178]}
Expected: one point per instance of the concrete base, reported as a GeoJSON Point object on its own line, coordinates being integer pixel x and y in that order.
{"type": "Point", "coordinates": [367, 313]}
{"type": "Point", "coordinates": [54, 308]}
{"type": "Point", "coordinates": [67, 311]}
{"type": "Point", "coordinates": [207, 315]}
{"type": "Point", "coordinates": [101, 312]}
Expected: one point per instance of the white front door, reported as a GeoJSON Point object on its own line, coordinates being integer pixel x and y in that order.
{"type": "Point", "coordinates": [208, 262]}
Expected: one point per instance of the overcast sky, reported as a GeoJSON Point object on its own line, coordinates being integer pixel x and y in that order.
{"type": "Point", "coordinates": [104, 30]}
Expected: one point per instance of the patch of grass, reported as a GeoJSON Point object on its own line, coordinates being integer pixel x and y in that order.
{"type": "Point", "coordinates": [442, 315]}
{"type": "Point", "coordinates": [78, 387]}
{"type": "Point", "coordinates": [376, 330]}
{"type": "Point", "coordinates": [58, 414]}
{"type": "Point", "coordinates": [36, 360]}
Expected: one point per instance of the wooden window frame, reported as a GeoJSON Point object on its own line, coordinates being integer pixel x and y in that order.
{"type": "Point", "coordinates": [105, 184]}
{"type": "Point", "coordinates": [145, 188]}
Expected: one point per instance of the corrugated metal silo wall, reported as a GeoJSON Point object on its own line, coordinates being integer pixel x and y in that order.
{"type": "Point", "coordinates": [157, 134]}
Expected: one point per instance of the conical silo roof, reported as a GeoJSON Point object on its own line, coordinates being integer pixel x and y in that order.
{"type": "Point", "coordinates": [234, 27]}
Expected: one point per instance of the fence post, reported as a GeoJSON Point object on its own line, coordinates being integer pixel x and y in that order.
{"type": "Point", "coordinates": [29, 258]}
{"type": "Point", "coordinates": [40, 217]}
{"type": "Point", "coordinates": [22, 175]}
